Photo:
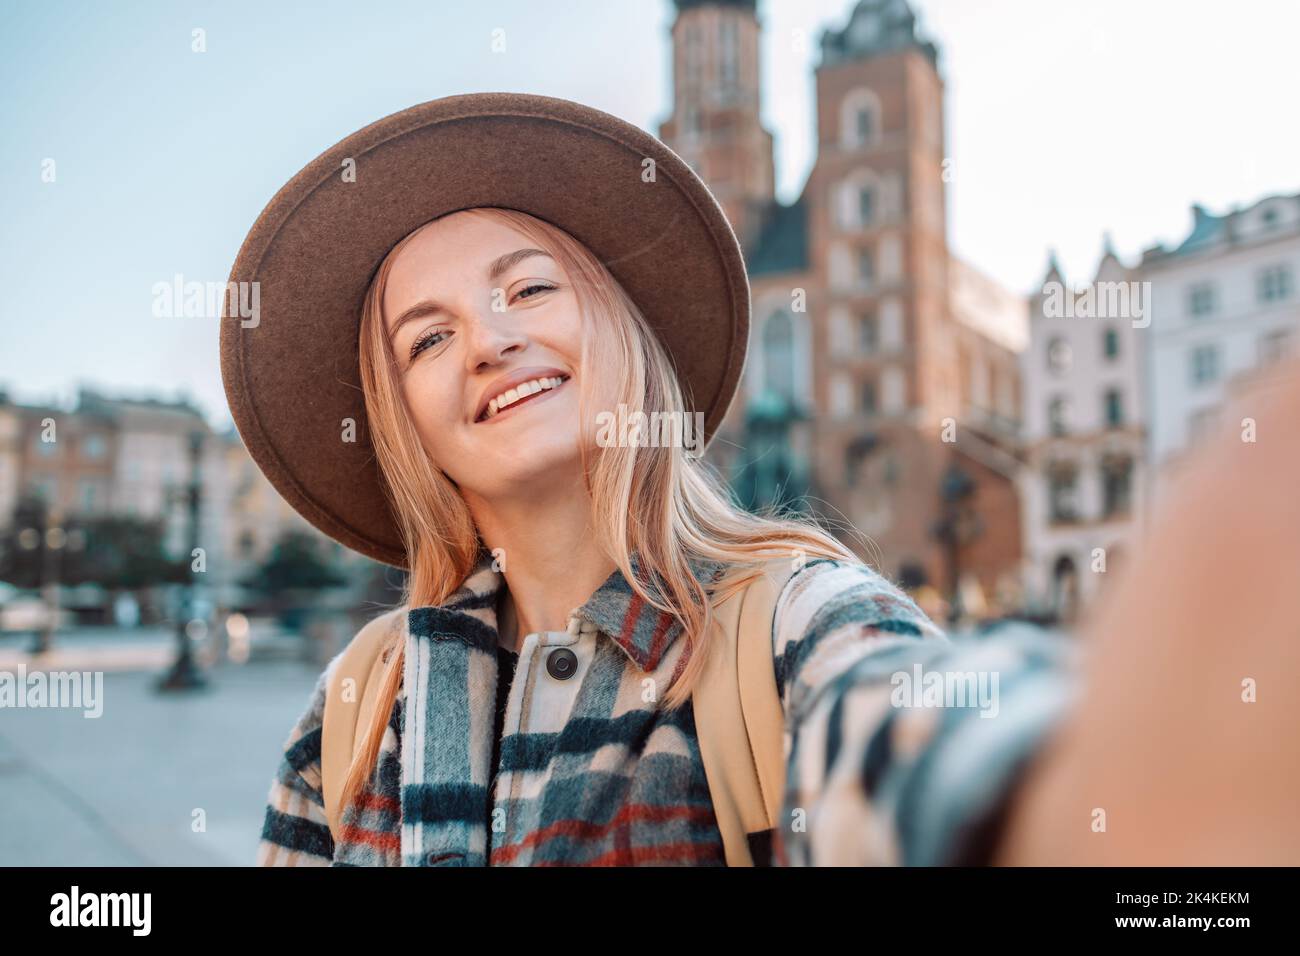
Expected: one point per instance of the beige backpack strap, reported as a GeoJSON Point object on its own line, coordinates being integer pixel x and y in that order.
{"type": "Point", "coordinates": [349, 707]}
{"type": "Point", "coordinates": [739, 720]}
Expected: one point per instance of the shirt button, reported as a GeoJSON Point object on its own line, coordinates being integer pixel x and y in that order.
{"type": "Point", "coordinates": [562, 663]}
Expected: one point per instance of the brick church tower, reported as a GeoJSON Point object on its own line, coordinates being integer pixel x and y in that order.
{"type": "Point", "coordinates": [883, 372]}
{"type": "Point", "coordinates": [714, 124]}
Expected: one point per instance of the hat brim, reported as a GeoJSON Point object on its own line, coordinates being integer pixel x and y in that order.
{"type": "Point", "coordinates": [292, 380]}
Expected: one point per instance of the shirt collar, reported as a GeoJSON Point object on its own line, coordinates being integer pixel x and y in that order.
{"type": "Point", "coordinates": [643, 631]}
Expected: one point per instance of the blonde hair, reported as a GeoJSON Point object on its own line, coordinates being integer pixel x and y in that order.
{"type": "Point", "coordinates": [655, 502]}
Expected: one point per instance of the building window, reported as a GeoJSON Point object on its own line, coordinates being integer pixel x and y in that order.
{"type": "Point", "coordinates": [1205, 364]}
{"type": "Point", "coordinates": [863, 125]}
{"type": "Point", "coordinates": [859, 119]}
{"type": "Point", "coordinates": [692, 56]}
{"type": "Point", "coordinates": [857, 200]}
{"type": "Point", "coordinates": [93, 446]}
{"type": "Point", "coordinates": [1116, 486]}
{"type": "Point", "coordinates": [1062, 494]}
{"type": "Point", "coordinates": [1058, 416]}
{"type": "Point", "coordinates": [1110, 343]}
{"type": "Point", "coordinates": [866, 209]}
{"type": "Point", "coordinates": [1065, 588]}
{"type": "Point", "coordinates": [1275, 284]}
{"type": "Point", "coordinates": [1059, 355]}
{"type": "Point", "coordinates": [866, 267]}
{"type": "Point", "coordinates": [1114, 408]}
{"type": "Point", "coordinates": [778, 354]}
{"type": "Point", "coordinates": [870, 401]}
{"type": "Point", "coordinates": [868, 333]}
{"type": "Point", "coordinates": [856, 454]}
{"type": "Point", "coordinates": [729, 53]}
{"type": "Point", "coordinates": [1201, 299]}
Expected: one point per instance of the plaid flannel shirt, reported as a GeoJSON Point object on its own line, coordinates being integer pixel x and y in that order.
{"type": "Point", "coordinates": [881, 769]}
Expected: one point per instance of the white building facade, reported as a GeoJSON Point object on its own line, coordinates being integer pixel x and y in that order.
{"type": "Point", "coordinates": [1081, 487]}
{"type": "Point", "coordinates": [1225, 302]}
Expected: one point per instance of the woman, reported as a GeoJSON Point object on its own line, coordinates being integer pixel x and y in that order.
{"type": "Point", "coordinates": [536, 707]}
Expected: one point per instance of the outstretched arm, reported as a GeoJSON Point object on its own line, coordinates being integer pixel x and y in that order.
{"type": "Point", "coordinates": [903, 746]}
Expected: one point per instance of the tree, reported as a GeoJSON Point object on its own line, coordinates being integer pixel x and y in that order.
{"type": "Point", "coordinates": [294, 571]}
{"type": "Point", "coordinates": [121, 551]}
{"type": "Point", "coordinates": [21, 545]}
{"type": "Point", "coordinates": [113, 551]}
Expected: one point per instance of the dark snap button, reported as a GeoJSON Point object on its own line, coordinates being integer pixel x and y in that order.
{"type": "Point", "coordinates": [562, 663]}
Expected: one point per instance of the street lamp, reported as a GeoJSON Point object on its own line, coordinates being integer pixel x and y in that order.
{"type": "Point", "coordinates": [184, 675]}
{"type": "Point", "coordinates": [51, 539]}
{"type": "Point", "coordinates": [958, 526]}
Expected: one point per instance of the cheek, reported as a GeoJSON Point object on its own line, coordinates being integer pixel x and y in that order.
{"type": "Point", "coordinates": [563, 338]}
{"type": "Point", "coordinates": [573, 333]}
{"type": "Point", "coordinates": [432, 405]}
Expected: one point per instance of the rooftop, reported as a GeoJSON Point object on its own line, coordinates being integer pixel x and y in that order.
{"type": "Point", "coordinates": [1267, 218]}
{"type": "Point", "coordinates": [874, 27]}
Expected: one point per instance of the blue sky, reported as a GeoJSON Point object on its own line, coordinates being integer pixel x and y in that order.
{"type": "Point", "coordinates": [1065, 118]}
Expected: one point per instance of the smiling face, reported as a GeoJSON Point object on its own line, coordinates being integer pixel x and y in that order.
{"type": "Point", "coordinates": [486, 334]}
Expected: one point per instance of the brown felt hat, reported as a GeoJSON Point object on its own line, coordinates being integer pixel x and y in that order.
{"type": "Point", "coordinates": [292, 376]}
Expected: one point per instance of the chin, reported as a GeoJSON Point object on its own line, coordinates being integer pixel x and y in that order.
{"type": "Point", "coordinates": [538, 456]}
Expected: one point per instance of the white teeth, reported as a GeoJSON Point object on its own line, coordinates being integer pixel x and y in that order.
{"type": "Point", "coordinates": [509, 397]}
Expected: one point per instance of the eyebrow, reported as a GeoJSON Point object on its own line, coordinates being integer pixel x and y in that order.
{"type": "Point", "coordinates": [497, 268]}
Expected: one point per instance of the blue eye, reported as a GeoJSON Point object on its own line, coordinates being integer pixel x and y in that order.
{"type": "Point", "coordinates": [536, 287]}
{"type": "Point", "coordinates": [426, 339]}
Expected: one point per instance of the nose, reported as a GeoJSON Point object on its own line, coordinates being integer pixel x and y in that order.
{"type": "Point", "coordinates": [493, 336]}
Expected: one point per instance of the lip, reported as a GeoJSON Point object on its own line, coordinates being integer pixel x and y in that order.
{"type": "Point", "coordinates": [509, 381]}
{"type": "Point", "coordinates": [521, 405]}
